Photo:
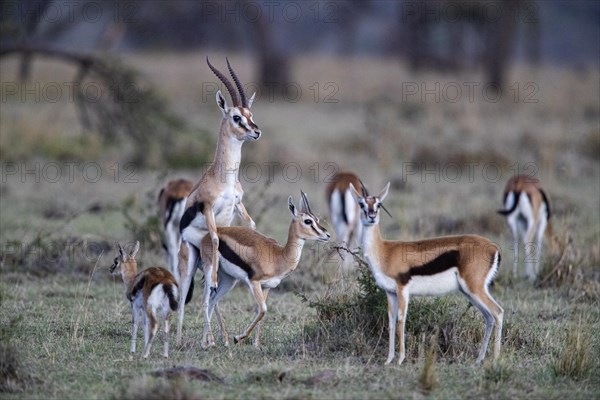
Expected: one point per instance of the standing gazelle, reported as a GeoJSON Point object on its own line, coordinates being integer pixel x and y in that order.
{"type": "Point", "coordinates": [171, 203]}
{"type": "Point", "coordinates": [429, 267]}
{"type": "Point", "coordinates": [257, 260]}
{"type": "Point", "coordinates": [218, 194]}
{"type": "Point", "coordinates": [527, 212]}
{"type": "Point", "coordinates": [343, 210]}
{"type": "Point", "coordinates": [152, 292]}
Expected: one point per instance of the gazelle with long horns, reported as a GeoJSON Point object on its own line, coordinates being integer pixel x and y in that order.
{"type": "Point", "coordinates": [218, 194]}
{"type": "Point", "coordinates": [171, 203]}
{"type": "Point", "coordinates": [429, 267]}
{"type": "Point", "coordinates": [257, 260]}
{"type": "Point", "coordinates": [527, 212]}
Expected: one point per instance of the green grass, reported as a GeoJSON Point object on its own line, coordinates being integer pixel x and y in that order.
{"type": "Point", "coordinates": [72, 336]}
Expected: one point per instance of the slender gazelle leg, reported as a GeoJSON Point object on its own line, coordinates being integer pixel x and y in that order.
{"type": "Point", "coordinates": [212, 281]}
{"type": "Point", "coordinates": [392, 320]}
{"type": "Point", "coordinates": [259, 325]}
{"type": "Point", "coordinates": [257, 292]}
{"type": "Point", "coordinates": [136, 322]}
{"type": "Point", "coordinates": [185, 286]}
{"type": "Point", "coordinates": [402, 295]}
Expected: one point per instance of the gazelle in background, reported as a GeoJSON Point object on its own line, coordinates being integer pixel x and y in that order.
{"type": "Point", "coordinates": [429, 267]}
{"type": "Point", "coordinates": [527, 212]}
{"type": "Point", "coordinates": [218, 194]}
{"type": "Point", "coordinates": [343, 210]}
{"type": "Point", "coordinates": [152, 292]}
{"type": "Point", "coordinates": [171, 203]}
{"type": "Point", "coordinates": [257, 260]}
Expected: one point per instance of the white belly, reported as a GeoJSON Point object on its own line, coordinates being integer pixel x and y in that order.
{"type": "Point", "coordinates": [231, 269]}
{"type": "Point", "coordinates": [434, 285]}
{"type": "Point", "coordinates": [271, 283]}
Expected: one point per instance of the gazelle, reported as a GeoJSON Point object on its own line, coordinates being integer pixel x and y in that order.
{"type": "Point", "coordinates": [171, 202]}
{"type": "Point", "coordinates": [257, 260]}
{"type": "Point", "coordinates": [152, 292]}
{"type": "Point", "coordinates": [429, 267]}
{"type": "Point", "coordinates": [218, 194]}
{"type": "Point", "coordinates": [527, 212]}
{"type": "Point", "coordinates": [343, 210]}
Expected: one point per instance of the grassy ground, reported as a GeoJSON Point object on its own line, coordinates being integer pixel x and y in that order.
{"type": "Point", "coordinates": [66, 323]}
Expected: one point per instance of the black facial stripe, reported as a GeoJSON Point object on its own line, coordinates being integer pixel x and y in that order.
{"type": "Point", "coordinates": [315, 229]}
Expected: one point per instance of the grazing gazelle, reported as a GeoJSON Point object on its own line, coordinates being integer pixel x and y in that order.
{"type": "Point", "coordinates": [343, 210]}
{"type": "Point", "coordinates": [429, 267]}
{"type": "Point", "coordinates": [152, 292]}
{"type": "Point", "coordinates": [527, 212]}
{"type": "Point", "coordinates": [171, 203]}
{"type": "Point", "coordinates": [218, 194]}
{"type": "Point", "coordinates": [259, 261]}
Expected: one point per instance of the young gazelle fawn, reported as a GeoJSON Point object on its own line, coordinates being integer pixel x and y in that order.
{"type": "Point", "coordinates": [527, 212]}
{"type": "Point", "coordinates": [218, 194]}
{"type": "Point", "coordinates": [343, 210]}
{"type": "Point", "coordinates": [171, 203]}
{"type": "Point", "coordinates": [257, 260]}
{"type": "Point", "coordinates": [152, 292]}
{"type": "Point", "coordinates": [429, 267]}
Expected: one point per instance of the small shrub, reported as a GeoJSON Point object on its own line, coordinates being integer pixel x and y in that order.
{"type": "Point", "coordinates": [143, 221]}
{"type": "Point", "coordinates": [497, 372]}
{"type": "Point", "coordinates": [573, 360]}
{"type": "Point", "coordinates": [14, 375]}
{"type": "Point", "coordinates": [148, 388]}
{"type": "Point", "coordinates": [350, 321]}
{"type": "Point", "coordinates": [428, 379]}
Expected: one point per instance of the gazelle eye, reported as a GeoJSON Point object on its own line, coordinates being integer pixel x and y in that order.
{"type": "Point", "coordinates": [236, 118]}
{"type": "Point", "coordinates": [308, 221]}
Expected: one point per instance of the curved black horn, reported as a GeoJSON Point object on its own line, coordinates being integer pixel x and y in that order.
{"type": "Point", "coordinates": [234, 97]}
{"type": "Point", "coordinates": [365, 192]}
{"type": "Point", "coordinates": [238, 84]}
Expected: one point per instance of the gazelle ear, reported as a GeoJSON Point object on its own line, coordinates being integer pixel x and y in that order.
{"type": "Point", "coordinates": [222, 103]}
{"type": "Point", "coordinates": [384, 192]}
{"type": "Point", "coordinates": [121, 252]}
{"type": "Point", "coordinates": [136, 248]}
{"type": "Point", "coordinates": [292, 207]}
{"type": "Point", "coordinates": [354, 193]}
{"type": "Point", "coordinates": [304, 205]}
{"type": "Point", "coordinates": [251, 100]}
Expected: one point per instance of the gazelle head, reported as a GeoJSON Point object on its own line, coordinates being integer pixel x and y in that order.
{"type": "Point", "coordinates": [237, 118]}
{"type": "Point", "coordinates": [123, 262]}
{"type": "Point", "coordinates": [369, 205]}
{"type": "Point", "coordinates": [305, 223]}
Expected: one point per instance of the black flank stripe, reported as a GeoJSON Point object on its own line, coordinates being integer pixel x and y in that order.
{"type": "Point", "coordinates": [545, 198]}
{"type": "Point", "coordinates": [439, 264]}
{"type": "Point", "coordinates": [235, 259]}
{"type": "Point", "coordinates": [138, 286]}
{"type": "Point", "coordinates": [170, 205]}
{"type": "Point", "coordinates": [343, 197]}
{"type": "Point", "coordinates": [190, 214]}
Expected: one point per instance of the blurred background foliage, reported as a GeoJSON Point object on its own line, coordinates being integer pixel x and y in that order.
{"type": "Point", "coordinates": [482, 36]}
